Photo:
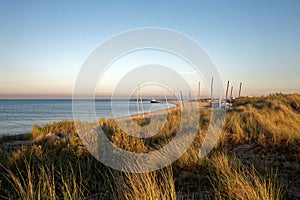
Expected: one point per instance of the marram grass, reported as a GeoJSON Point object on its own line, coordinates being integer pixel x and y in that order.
{"type": "Point", "coordinates": [57, 165]}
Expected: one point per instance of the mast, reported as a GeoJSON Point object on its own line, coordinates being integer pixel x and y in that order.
{"type": "Point", "coordinates": [141, 100]}
{"type": "Point", "coordinates": [240, 90]}
{"type": "Point", "coordinates": [230, 98]}
{"type": "Point", "coordinates": [181, 98]}
{"type": "Point", "coordinates": [137, 103]}
{"type": "Point", "coordinates": [211, 90]}
{"type": "Point", "coordinates": [167, 103]}
{"type": "Point", "coordinates": [227, 93]}
{"type": "Point", "coordinates": [198, 90]}
{"type": "Point", "coordinates": [190, 95]}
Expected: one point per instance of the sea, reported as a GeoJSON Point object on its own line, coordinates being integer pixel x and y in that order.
{"type": "Point", "coordinates": [19, 116]}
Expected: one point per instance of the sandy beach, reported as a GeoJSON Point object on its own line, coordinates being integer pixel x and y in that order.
{"type": "Point", "coordinates": [166, 111]}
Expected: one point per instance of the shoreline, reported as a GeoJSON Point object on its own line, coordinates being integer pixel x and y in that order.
{"type": "Point", "coordinates": [168, 110]}
{"type": "Point", "coordinates": [134, 116]}
{"type": "Point", "coordinates": [155, 113]}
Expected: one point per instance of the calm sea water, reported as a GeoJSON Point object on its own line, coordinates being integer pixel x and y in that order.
{"type": "Point", "coordinates": [18, 116]}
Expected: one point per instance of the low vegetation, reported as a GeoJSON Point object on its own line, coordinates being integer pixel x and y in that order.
{"type": "Point", "coordinates": [256, 157]}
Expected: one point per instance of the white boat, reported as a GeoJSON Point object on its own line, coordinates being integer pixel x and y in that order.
{"type": "Point", "coordinates": [154, 101]}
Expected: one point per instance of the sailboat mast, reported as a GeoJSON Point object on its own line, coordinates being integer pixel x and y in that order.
{"type": "Point", "coordinates": [190, 95]}
{"type": "Point", "coordinates": [181, 98]}
{"type": "Point", "coordinates": [198, 90]}
{"type": "Point", "coordinates": [240, 90]}
{"type": "Point", "coordinates": [141, 100]}
{"type": "Point", "coordinates": [137, 103]}
{"type": "Point", "coordinates": [167, 103]}
{"type": "Point", "coordinates": [227, 92]}
{"type": "Point", "coordinates": [212, 89]}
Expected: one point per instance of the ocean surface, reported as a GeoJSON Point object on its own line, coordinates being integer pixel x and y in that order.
{"type": "Point", "coordinates": [19, 116]}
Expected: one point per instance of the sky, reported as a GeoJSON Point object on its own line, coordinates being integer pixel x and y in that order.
{"type": "Point", "coordinates": [43, 44]}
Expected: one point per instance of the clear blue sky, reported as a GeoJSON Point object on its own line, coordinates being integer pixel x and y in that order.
{"type": "Point", "coordinates": [43, 44]}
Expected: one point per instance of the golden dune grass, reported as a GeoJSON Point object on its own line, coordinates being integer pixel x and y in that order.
{"type": "Point", "coordinates": [59, 167]}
